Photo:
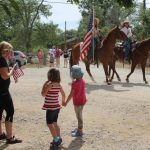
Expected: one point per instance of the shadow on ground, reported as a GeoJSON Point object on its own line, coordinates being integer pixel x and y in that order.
{"type": "Point", "coordinates": [131, 84]}
{"type": "Point", "coordinates": [75, 144]}
{"type": "Point", "coordinates": [92, 87]}
{"type": "Point", "coordinates": [3, 145]}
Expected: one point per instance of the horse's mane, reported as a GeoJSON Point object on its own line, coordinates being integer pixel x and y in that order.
{"type": "Point", "coordinates": [108, 35]}
{"type": "Point", "coordinates": [76, 45]}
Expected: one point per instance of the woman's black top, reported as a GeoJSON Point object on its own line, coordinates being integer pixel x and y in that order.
{"type": "Point", "coordinates": [4, 84]}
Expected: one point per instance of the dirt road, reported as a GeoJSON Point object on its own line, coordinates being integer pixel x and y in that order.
{"type": "Point", "coordinates": [116, 117]}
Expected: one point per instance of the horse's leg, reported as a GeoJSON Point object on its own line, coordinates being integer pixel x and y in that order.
{"type": "Point", "coordinates": [109, 71]}
{"type": "Point", "coordinates": [143, 71]}
{"type": "Point", "coordinates": [132, 70]}
{"type": "Point", "coordinates": [112, 77]}
{"type": "Point", "coordinates": [114, 71]}
{"type": "Point", "coordinates": [87, 65]}
{"type": "Point", "coordinates": [105, 66]}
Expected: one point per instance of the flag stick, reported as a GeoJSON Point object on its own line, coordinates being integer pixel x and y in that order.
{"type": "Point", "coordinates": [93, 44]}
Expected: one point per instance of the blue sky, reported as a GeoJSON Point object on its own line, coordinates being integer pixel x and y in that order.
{"type": "Point", "coordinates": [64, 12]}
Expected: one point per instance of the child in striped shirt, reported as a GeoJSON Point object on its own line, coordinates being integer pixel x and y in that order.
{"type": "Point", "coordinates": [50, 91]}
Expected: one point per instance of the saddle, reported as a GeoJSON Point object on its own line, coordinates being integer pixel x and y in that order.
{"type": "Point", "coordinates": [122, 52]}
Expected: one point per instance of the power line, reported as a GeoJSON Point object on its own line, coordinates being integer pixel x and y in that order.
{"type": "Point", "coordinates": [58, 2]}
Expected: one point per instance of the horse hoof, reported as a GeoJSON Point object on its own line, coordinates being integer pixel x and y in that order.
{"type": "Point", "coordinates": [127, 80]}
{"type": "Point", "coordinates": [108, 83]}
{"type": "Point", "coordinates": [110, 80]}
{"type": "Point", "coordinates": [93, 79]}
{"type": "Point", "coordinates": [146, 82]}
{"type": "Point", "coordinates": [119, 79]}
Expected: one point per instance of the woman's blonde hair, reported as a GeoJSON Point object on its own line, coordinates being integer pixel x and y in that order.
{"type": "Point", "coordinates": [5, 46]}
{"type": "Point", "coordinates": [97, 20]}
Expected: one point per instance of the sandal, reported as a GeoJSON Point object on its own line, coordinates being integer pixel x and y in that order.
{"type": "Point", "coordinates": [13, 140]}
{"type": "Point", "coordinates": [2, 136]}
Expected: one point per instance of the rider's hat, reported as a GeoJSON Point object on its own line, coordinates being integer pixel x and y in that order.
{"type": "Point", "coordinates": [125, 22]}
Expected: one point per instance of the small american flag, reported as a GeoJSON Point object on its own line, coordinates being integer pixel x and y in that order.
{"type": "Point", "coordinates": [87, 39]}
{"type": "Point", "coordinates": [17, 73]}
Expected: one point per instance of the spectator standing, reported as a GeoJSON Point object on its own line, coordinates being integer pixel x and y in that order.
{"type": "Point", "coordinates": [40, 56]}
{"type": "Point", "coordinates": [65, 58]}
{"type": "Point", "coordinates": [57, 56]}
{"type": "Point", "coordinates": [6, 102]}
{"type": "Point", "coordinates": [51, 59]}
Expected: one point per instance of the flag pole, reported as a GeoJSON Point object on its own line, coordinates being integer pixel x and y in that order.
{"type": "Point", "coordinates": [93, 44]}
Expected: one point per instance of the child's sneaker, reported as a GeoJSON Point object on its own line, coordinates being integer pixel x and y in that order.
{"type": "Point", "coordinates": [56, 144]}
{"type": "Point", "coordinates": [74, 130]}
{"type": "Point", "coordinates": [76, 134]}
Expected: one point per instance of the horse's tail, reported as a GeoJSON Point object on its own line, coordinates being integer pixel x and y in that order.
{"type": "Point", "coordinates": [75, 55]}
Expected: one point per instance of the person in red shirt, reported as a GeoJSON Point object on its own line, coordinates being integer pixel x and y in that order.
{"type": "Point", "coordinates": [58, 52]}
{"type": "Point", "coordinates": [40, 56]}
{"type": "Point", "coordinates": [79, 97]}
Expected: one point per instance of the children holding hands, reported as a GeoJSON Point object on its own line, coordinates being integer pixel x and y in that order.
{"type": "Point", "coordinates": [50, 91]}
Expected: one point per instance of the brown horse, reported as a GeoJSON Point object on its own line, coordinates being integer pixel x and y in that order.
{"type": "Point", "coordinates": [138, 56]}
{"type": "Point", "coordinates": [103, 53]}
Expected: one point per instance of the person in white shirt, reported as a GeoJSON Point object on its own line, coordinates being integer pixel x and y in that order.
{"type": "Point", "coordinates": [128, 42]}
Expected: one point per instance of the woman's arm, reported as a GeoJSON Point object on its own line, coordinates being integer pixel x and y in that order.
{"type": "Point", "coordinates": [5, 74]}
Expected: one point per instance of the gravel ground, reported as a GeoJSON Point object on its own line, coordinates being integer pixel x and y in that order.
{"type": "Point", "coordinates": [116, 117]}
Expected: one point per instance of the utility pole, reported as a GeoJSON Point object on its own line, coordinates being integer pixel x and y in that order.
{"type": "Point", "coordinates": [143, 24]}
{"type": "Point", "coordinates": [65, 46]}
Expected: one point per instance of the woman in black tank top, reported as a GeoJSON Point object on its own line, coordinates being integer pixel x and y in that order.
{"type": "Point", "coordinates": [6, 102]}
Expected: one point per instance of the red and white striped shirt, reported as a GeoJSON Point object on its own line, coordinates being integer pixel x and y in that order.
{"type": "Point", "coordinates": [52, 99]}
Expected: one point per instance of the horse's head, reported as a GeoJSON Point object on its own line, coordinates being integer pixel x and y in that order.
{"type": "Point", "coordinates": [120, 35]}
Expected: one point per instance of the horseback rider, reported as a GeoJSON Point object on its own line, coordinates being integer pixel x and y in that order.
{"type": "Point", "coordinates": [95, 39]}
{"type": "Point", "coordinates": [127, 44]}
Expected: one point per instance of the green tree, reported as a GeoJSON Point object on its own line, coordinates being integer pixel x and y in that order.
{"type": "Point", "coordinates": [26, 14]}
{"type": "Point", "coordinates": [125, 3]}
{"type": "Point", "coordinates": [7, 4]}
{"type": "Point", "coordinates": [109, 12]}
{"type": "Point", "coordinates": [46, 34]}
{"type": "Point", "coordinates": [30, 11]}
